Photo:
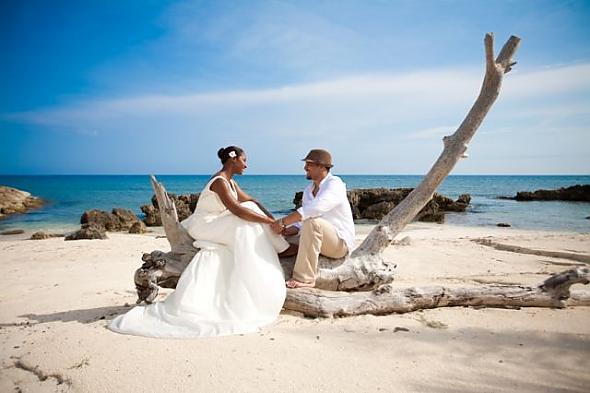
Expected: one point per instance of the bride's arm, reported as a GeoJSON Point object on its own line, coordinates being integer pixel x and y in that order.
{"type": "Point", "coordinates": [221, 188]}
{"type": "Point", "coordinates": [243, 197]}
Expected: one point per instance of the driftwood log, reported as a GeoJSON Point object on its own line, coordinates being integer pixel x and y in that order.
{"type": "Point", "coordinates": [387, 299]}
{"type": "Point", "coordinates": [361, 283]}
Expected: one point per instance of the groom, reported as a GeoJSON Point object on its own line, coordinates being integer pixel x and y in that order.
{"type": "Point", "coordinates": [324, 221]}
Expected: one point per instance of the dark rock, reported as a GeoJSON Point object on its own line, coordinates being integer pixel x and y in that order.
{"type": "Point", "coordinates": [375, 203]}
{"type": "Point", "coordinates": [43, 235]}
{"type": "Point", "coordinates": [13, 201]}
{"type": "Point", "coordinates": [503, 225]}
{"type": "Point", "coordinates": [588, 218]}
{"type": "Point", "coordinates": [100, 218]}
{"type": "Point", "coordinates": [12, 232]}
{"type": "Point", "coordinates": [137, 227]}
{"type": "Point", "coordinates": [431, 213]}
{"type": "Point", "coordinates": [378, 210]}
{"type": "Point", "coordinates": [580, 193]}
{"type": "Point", "coordinates": [435, 209]}
{"type": "Point", "coordinates": [117, 220]}
{"type": "Point", "coordinates": [40, 236]}
{"type": "Point", "coordinates": [88, 232]}
{"type": "Point", "coordinates": [460, 205]}
{"type": "Point", "coordinates": [126, 218]}
{"type": "Point", "coordinates": [152, 216]}
{"type": "Point", "coordinates": [185, 206]}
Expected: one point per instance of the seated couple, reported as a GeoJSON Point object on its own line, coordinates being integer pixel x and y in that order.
{"type": "Point", "coordinates": [235, 283]}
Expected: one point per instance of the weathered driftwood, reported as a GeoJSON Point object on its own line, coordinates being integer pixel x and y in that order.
{"type": "Point", "coordinates": [361, 283]}
{"type": "Point", "coordinates": [366, 268]}
{"type": "Point", "coordinates": [387, 299]}
{"type": "Point", "coordinates": [164, 268]}
{"type": "Point", "coordinates": [574, 256]}
{"type": "Point", "coordinates": [455, 147]}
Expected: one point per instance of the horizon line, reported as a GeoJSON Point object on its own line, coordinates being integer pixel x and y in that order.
{"type": "Point", "coordinates": [294, 174]}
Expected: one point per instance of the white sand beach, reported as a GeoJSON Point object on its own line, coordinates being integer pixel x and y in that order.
{"type": "Point", "coordinates": [57, 298]}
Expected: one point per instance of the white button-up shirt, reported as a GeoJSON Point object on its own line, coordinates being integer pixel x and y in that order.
{"type": "Point", "coordinates": [332, 205]}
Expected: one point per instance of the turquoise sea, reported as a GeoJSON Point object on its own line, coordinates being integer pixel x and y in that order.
{"type": "Point", "coordinates": [69, 196]}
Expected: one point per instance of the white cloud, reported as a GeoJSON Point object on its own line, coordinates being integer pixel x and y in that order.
{"type": "Point", "coordinates": [432, 132]}
{"type": "Point", "coordinates": [372, 93]}
{"type": "Point", "coordinates": [428, 86]}
{"type": "Point", "coordinates": [402, 116]}
{"type": "Point", "coordinates": [373, 102]}
{"type": "Point", "coordinates": [550, 81]}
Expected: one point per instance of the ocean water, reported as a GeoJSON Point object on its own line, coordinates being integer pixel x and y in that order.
{"type": "Point", "coordinates": [69, 196]}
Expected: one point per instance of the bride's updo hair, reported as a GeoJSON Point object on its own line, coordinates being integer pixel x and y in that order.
{"type": "Point", "coordinates": [225, 153]}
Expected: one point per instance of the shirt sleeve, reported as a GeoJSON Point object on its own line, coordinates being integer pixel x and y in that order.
{"type": "Point", "coordinates": [328, 198]}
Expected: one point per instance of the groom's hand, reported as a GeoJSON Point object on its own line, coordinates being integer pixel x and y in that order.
{"type": "Point", "coordinates": [290, 231]}
{"type": "Point", "coordinates": [277, 227]}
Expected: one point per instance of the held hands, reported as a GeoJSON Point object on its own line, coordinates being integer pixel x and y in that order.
{"type": "Point", "coordinates": [280, 228]}
{"type": "Point", "coordinates": [277, 226]}
{"type": "Point", "coordinates": [290, 231]}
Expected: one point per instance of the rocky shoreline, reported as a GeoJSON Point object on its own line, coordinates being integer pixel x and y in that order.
{"type": "Point", "coordinates": [95, 223]}
{"type": "Point", "coordinates": [375, 203]}
{"type": "Point", "coordinates": [367, 204]}
{"type": "Point", "coordinates": [371, 204]}
{"type": "Point", "coordinates": [15, 201]}
{"type": "Point", "coordinates": [577, 193]}
{"type": "Point", "coordinates": [185, 206]}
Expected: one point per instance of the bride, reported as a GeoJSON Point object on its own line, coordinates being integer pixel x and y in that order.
{"type": "Point", "coordinates": [235, 283]}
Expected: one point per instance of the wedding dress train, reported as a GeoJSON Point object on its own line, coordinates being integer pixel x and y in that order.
{"type": "Point", "coordinates": [233, 285]}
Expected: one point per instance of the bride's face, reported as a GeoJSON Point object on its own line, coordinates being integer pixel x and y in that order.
{"type": "Point", "coordinates": [240, 164]}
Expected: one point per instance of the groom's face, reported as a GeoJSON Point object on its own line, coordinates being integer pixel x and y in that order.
{"type": "Point", "coordinates": [312, 170]}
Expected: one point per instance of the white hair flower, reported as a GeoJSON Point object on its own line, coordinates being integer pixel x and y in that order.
{"type": "Point", "coordinates": [232, 154]}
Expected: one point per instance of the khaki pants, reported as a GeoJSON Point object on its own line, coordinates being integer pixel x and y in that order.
{"type": "Point", "coordinates": [317, 236]}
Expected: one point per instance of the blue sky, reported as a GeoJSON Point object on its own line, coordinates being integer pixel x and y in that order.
{"type": "Point", "coordinates": [133, 87]}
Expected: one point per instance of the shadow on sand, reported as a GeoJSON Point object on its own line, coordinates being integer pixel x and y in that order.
{"type": "Point", "coordinates": [89, 315]}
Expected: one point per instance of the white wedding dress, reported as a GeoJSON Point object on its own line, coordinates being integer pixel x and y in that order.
{"type": "Point", "coordinates": [233, 285]}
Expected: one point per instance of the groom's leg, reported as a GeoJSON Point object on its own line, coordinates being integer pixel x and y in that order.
{"type": "Point", "coordinates": [317, 236]}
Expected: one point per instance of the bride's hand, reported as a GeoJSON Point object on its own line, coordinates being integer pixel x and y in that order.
{"type": "Point", "coordinates": [277, 226]}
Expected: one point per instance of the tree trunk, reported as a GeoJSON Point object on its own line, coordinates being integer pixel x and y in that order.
{"type": "Point", "coordinates": [163, 269]}
{"type": "Point", "coordinates": [455, 147]}
{"type": "Point", "coordinates": [366, 268]}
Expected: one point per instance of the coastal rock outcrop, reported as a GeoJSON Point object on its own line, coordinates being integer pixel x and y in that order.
{"type": "Point", "coordinates": [40, 235]}
{"type": "Point", "coordinates": [185, 206]}
{"type": "Point", "coordinates": [374, 203]}
{"type": "Point", "coordinates": [371, 204]}
{"type": "Point", "coordinates": [88, 231]}
{"type": "Point", "coordinates": [95, 223]}
{"type": "Point", "coordinates": [138, 227]}
{"type": "Point", "coordinates": [12, 232]}
{"type": "Point", "coordinates": [117, 220]}
{"type": "Point", "coordinates": [13, 201]}
{"type": "Point", "coordinates": [579, 193]}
